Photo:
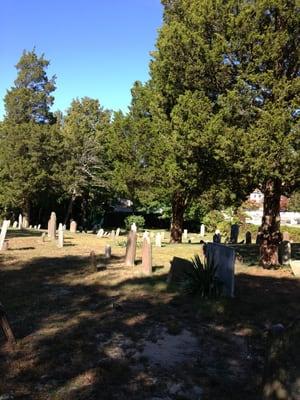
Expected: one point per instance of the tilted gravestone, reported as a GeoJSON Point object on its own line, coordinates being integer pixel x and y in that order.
{"type": "Point", "coordinates": [25, 223]}
{"type": "Point", "coordinates": [158, 240]}
{"type": "Point", "coordinates": [234, 233]}
{"type": "Point", "coordinates": [4, 228]}
{"type": "Point", "coordinates": [73, 226]}
{"type": "Point", "coordinates": [133, 227]}
{"type": "Point", "coordinates": [52, 226]}
{"type": "Point", "coordinates": [118, 232]}
{"type": "Point", "coordinates": [20, 223]}
{"type": "Point", "coordinates": [147, 256]}
{"type": "Point", "coordinates": [100, 233]}
{"type": "Point", "coordinates": [15, 224]}
{"type": "Point", "coordinates": [223, 258]}
{"type": "Point", "coordinates": [248, 238]}
{"type": "Point", "coordinates": [113, 234]}
{"type": "Point", "coordinates": [180, 267]}
{"type": "Point", "coordinates": [130, 249]}
{"type": "Point", "coordinates": [39, 227]}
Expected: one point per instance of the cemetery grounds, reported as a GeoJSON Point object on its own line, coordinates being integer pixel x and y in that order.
{"type": "Point", "coordinates": [114, 334]}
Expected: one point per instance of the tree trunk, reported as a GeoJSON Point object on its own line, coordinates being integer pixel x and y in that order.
{"type": "Point", "coordinates": [178, 209]}
{"type": "Point", "coordinates": [269, 236]}
{"type": "Point", "coordinates": [70, 208]}
{"type": "Point", "coordinates": [26, 211]}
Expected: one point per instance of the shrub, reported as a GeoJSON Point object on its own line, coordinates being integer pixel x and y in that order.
{"type": "Point", "coordinates": [202, 279]}
{"type": "Point", "coordinates": [212, 220]}
{"type": "Point", "coordinates": [139, 220]}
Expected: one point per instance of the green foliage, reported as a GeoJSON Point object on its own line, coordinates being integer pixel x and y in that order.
{"type": "Point", "coordinates": [202, 279]}
{"type": "Point", "coordinates": [213, 219]}
{"type": "Point", "coordinates": [294, 202]}
{"type": "Point", "coordinates": [139, 220]}
{"type": "Point", "coordinates": [30, 99]}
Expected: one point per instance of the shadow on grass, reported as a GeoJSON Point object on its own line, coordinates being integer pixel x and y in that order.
{"type": "Point", "coordinates": [63, 326]}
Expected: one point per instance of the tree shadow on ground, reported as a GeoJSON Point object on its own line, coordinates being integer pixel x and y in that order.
{"type": "Point", "coordinates": [73, 325]}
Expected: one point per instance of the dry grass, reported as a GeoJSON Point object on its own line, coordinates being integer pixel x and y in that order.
{"type": "Point", "coordinates": [79, 332]}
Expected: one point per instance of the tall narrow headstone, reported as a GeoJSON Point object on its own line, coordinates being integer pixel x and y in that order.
{"type": "Point", "coordinates": [73, 226]}
{"type": "Point", "coordinates": [185, 234]}
{"type": "Point", "coordinates": [60, 243]}
{"type": "Point", "coordinates": [248, 237]}
{"type": "Point", "coordinates": [52, 226]}
{"type": "Point", "coordinates": [234, 233]}
{"type": "Point", "coordinates": [25, 223]}
{"type": "Point", "coordinates": [39, 227]}
{"type": "Point", "coordinates": [20, 221]}
{"type": "Point", "coordinates": [158, 240]}
{"type": "Point", "coordinates": [4, 228]}
{"type": "Point", "coordinates": [15, 224]}
{"type": "Point", "coordinates": [134, 227]}
{"type": "Point", "coordinates": [93, 261]}
{"type": "Point", "coordinates": [107, 251]}
{"type": "Point", "coordinates": [202, 230]}
{"type": "Point", "coordinates": [118, 232]}
{"type": "Point", "coordinates": [130, 249]}
{"type": "Point", "coordinates": [100, 233]}
{"type": "Point", "coordinates": [147, 256]}
{"type": "Point", "coordinates": [43, 237]}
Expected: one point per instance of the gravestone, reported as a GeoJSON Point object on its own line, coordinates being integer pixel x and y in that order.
{"type": "Point", "coordinates": [158, 240]}
{"type": "Point", "coordinates": [202, 230]}
{"type": "Point", "coordinates": [147, 256]}
{"type": "Point", "coordinates": [35, 227]}
{"type": "Point", "coordinates": [285, 252]}
{"type": "Point", "coordinates": [4, 228]}
{"type": "Point", "coordinates": [185, 234]}
{"type": "Point", "coordinates": [43, 237]}
{"type": "Point", "coordinates": [60, 243]}
{"type": "Point", "coordinates": [223, 258]}
{"type": "Point", "coordinates": [25, 223]}
{"type": "Point", "coordinates": [248, 238]}
{"type": "Point", "coordinates": [217, 236]}
{"type": "Point", "coordinates": [52, 226]}
{"type": "Point", "coordinates": [113, 234]}
{"type": "Point", "coordinates": [100, 233]}
{"type": "Point", "coordinates": [118, 232]}
{"type": "Point", "coordinates": [179, 269]}
{"type": "Point", "coordinates": [15, 224]}
{"type": "Point", "coordinates": [73, 226]}
{"type": "Point", "coordinates": [20, 221]}
{"type": "Point", "coordinates": [107, 252]}
{"type": "Point", "coordinates": [234, 233]}
{"type": "Point", "coordinates": [30, 227]}
{"type": "Point", "coordinates": [134, 227]}
{"type": "Point", "coordinates": [130, 249]}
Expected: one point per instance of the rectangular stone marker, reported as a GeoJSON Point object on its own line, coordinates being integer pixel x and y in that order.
{"type": "Point", "coordinates": [130, 249]}
{"type": "Point", "coordinates": [248, 238]}
{"type": "Point", "coordinates": [35, 226]}
{"type": "Point", "coordinates": [185, 234]}
{"type": "Point", "coordinates": [179, 269]}
{"type": "Point", "coordinates": [100, 233]}
{"type": "Point", "coordinates": [60, 243]}
{"type": "Point", "coordinates": [20, 221]}
{"type": "Point", "coordinates": [234, 233]}
{"type": "Point", "coordinates": [73, 226]}
{"type": "Point", "coordinates": [107, 253]}
{"type": "Point", "coordinates": [43, 237]}
{"type": "Point", "coordinates": [25, 223]}
{"type": "Point", "coordinates": [223, 258]}
{"type": "Point", "coordinates": [202, 230]}
{"type": "Point", "coordinates": [158, 240]}
{"type": "Point", "coordinates": [39, 227]}
{"type": "Point", "coordinates": [52, 226]}
{"type": "Point", "coordinates": [295, 265]}
{"type": "Point", "coordinates": [147, 256]}
{"type": "Point", "coordinates": [15, 224]}
{"type": "Point", "coordinates": [118, 232]}
{"type": "Point", "coordinates": [4, 228]}
{"type": "Point", "coordinates": [113, 234]}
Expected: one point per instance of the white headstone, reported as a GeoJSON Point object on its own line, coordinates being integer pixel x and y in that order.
{"type": "Point", "coordinates": [60, 243]}
{"type": "Point", "coordinates": [4, 228]}
{"type": "Point", "coordinates": [145, 234]}
{"type": "Point", "coordinates": [113, 234]}
{"type": "Point", "coordinates": [134, 227]}
{"type": "Point", "coordinates": [39, 227]}
{"type": "Point", "coordinates": [147, 255]}
{"type": "Point", "coordinates": [107, 251]}
{"type": "Point", "coordinates": [35, 227]}
{"type": "Point", "coordinates": [185, 234]}
{"type": "Point", "coordinates": [202, 230]}
{"type": "Point", "coordinates": [117, 232]}
{"type": "Point", "coordinates": [25, 223]}
{"type": "Point", "coordinates": [100, 233]}
{"type": "Point", "coordinates": [158, 240]}
{"type": "Point", "coordinates": [15, 224]}
{"type": "Point", "coordinates": [73, 226]}
{"type": "Point", "coordinates": [30, 226]}
{"type": "Point", "coordinates": [20, 221]}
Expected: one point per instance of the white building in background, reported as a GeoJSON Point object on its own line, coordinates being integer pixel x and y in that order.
{"type": "Point", "coordinates": [257, 196]}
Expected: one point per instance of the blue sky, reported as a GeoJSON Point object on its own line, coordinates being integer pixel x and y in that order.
{"type": "Point", "coordinates": [97, 48]}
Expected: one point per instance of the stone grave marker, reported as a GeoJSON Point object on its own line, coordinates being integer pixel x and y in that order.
{"type": "Point", "coordinates": [234, 233]}
{"type": "Point", "coordinates": [20, 223]}
{"type": "Point", "coordinates": [185, 234]}
{"type": "Point", "coordinates": [130, 249]}
{"type": "Point", "coordinates": [147, 256]}
{"type": "Point", "coordinates": [202, 230]}
{"type": "Point", "coordinates": [30, 227]}
{"type": "Point", "coordinates": [25, 223]}
{"type": "Point", "coordinates": [285, 250]}
{"type": "Point", "coordinates": [145, 234]}
{"type": "Point", "coordinates": [52, 226]}
{"type": "Point", "coordinates": [217, 236]}
{"type": "Point", "coordinates": [118, 232]}
{"type": "Point", "coordinates": [4, 228]}
{"type": "Point", "coordinates": [134, 227]}
{"type": "Point", "coordinates": [35, 227]}
{"type": "Point", "coordinates": [60, 242]}
{"type": "Point", "coordinates": [39, 227]}
{"type": "Point", "coordinates": [73, 226]}
{"type": "Point", "coordinates": [100, 233]}
{"type": "Point", "coordinates": [179, 269]}
{"type": "Point", "coordinates": [113, 234]}
{"type": "Point", "coordinates": [223, 257]}
{"type": "Point", "coordinates": [248, 237]}
{"type": "Point", "coordinates": [158, 240]}
{"type": "Point", "coordinates": [15, 224]}
{"type": "Point", "coordinates": [107, 251]}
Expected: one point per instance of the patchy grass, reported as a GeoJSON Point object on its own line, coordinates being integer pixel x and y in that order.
{"type": "Point", "coordinates": [81, 334]}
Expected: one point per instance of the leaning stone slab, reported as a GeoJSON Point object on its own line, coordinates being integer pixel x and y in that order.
{"type": "Point", "coordinates": [131, 249]}
{"type": "Point", "coordinates": [179, 269]}
{"type": "Point", "coordinates": [223, 258]}
{"type": "Point", "coordinates": [147, 256]}
{"type": "Point", "coordinates": [52, 226]}
{"type": "Point", "coordinates": [4, 228]}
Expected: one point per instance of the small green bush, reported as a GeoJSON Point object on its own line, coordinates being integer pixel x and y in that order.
{"type": "Point", "coordinates": [139, 220]}
{"type": "Point", "coordinates": [212, 220]}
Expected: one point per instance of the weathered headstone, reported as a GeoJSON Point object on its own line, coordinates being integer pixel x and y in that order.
{"type": "Point", "coordinates": [30, 227]}
{"type": "Point", "coordinates": [39, 227]}
{"type": "Point", "coordinates": [185, 234]}
{"type": "Point", "coordinates": [234, 233]}
{"type": "Point", "coordinates": [133, 227]}
{"type": "Point", "coordinates": [20, 221]}
{"type": "Point", "coordinates": [202, 230]}
{"type": "Point", "coordinates": [158, 240]}
{"type": "Point", "coordinates": [179, 269]}
{"type": "Point", "coordinates": [43, 237]}
{"type": "Point", "coordinates": [285, 252]}
{"type": "Point", "coordinates": [100, 233]}
{"type": "Point", "coordinates": [152, 235]}
{"type": "Point", "coordinates": [73, 226]}
{"type": "Point", "coordinates": [248, 237]}
{"type": "Point", "coordinates": [15, 224]}
{"type": "Point", "coordinates": [147, 256]}
{"type": "Point", "coordinates": [223, 258]}
{"type": "Point", "coordinates": [130, 249]}
{"type": "Point", "coordinates": [118, 232]}
{"type": "Point", "coordinates": [4, 228]}
{"type": "Point", "coordinates": [52, 226]}
{"type": "Point", "coordinates": [113, 234]}
{"type": "Point", "coordinates": [107, 251]}
{"type": "Point", "coordinates": [60, 242]}
{"type": "Point", "coordinates": [25, 223]}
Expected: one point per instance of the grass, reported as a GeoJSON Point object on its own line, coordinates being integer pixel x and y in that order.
{"type": "Point", "coordinates": [78, 331]}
